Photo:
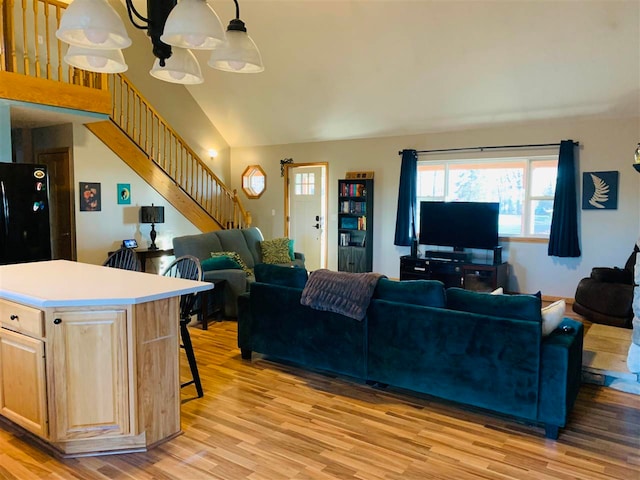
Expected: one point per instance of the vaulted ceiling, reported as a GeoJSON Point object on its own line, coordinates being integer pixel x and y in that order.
{"type": "Point", "coordinates": [353, 69]}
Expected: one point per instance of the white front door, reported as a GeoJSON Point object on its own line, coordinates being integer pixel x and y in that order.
{"type": "Point", "coordinates": [307, 213]}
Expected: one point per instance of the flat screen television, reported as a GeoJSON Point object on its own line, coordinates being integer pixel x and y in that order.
{"type": "Point", "coordinates": [459, 224]}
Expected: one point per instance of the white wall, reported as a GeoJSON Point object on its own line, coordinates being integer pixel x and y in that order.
{"type": "Point", "coordinates": [103, 231]}
{"type": "Point", "coordinates": [607, 237]}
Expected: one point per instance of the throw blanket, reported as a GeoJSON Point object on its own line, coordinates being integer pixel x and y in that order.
{"type": "Point", "coordinates": [341, 292]}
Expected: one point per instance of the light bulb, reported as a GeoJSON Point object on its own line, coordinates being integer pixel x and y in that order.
{"type": "Point", "coordinates": [636, 155]}
{"type": "Point", "coordinates": [97, 62]}
{"type": "Point", "coordinates": [96, 37]}
{"type": "Point", "coordinates": [176, 75]}
{"type": "Point", "coordinates": [194, 40]}
{"type": "Point", "coordinates": [237, 65]}
{"type": "Point", "coordinates": [212, 153]}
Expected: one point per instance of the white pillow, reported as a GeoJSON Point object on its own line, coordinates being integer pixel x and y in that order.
{"type": "Point", "coordinates": [552, 315]}
{"type": "Point", "coordinates": [498, 291]}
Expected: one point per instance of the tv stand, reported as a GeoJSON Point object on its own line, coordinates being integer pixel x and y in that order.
{"type": "Point", "coordinates": [454, 256]}
{"type": "Point", "coordinates": [455, 273]}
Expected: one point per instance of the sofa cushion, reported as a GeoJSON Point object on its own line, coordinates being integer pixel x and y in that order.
{"type": "Point", "coordinates": [552, 315]}
{"type": "Point", "coordinates": [236, 258]}
{"type": "Point", "coordinates": [253, 237]}
{"type": "Point", "coordinates": [519, 307]}
{"type": "Point", "coordinates": [280, 275]}
{"type": "Point", "coordinates": [428, 293]}
{"type": "Point", "coordinates": [221, 262]}
{"type": "Point", "coordinates": [275, 251]}
{"type": "Point", "coordinates": [233, 240]}
{"type": "Point", "coordinates": [200, 245]}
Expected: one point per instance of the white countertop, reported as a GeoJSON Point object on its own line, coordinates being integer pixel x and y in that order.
{"type": "Point", "coordinates": [62, 283]}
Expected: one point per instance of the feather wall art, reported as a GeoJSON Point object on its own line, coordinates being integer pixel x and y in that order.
{"type": "Point", "coordinates": [600, 190]}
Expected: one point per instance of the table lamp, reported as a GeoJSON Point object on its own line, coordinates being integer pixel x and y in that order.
{"type": "Point", "coordinates": [152, 215]}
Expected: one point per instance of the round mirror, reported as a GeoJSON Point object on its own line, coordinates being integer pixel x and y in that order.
{"type": "Point", "coordinates": [254, 181]}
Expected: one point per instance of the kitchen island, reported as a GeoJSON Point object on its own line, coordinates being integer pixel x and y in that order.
{"type": "Point", "coordinates": [89, 355]}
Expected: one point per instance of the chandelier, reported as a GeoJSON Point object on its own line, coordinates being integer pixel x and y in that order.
{"type": "Point", "coordinates": [96, 36]}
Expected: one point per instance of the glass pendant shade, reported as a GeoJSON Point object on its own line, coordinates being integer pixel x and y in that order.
{"type": "Point", "coordinates": [92, 24]}
{"type": "Point", "coordinates": [238, 54]}
{"type": "Point", "coordinates": [193, 24]}
{"type": "Point", "coordinates": [96, 60]}
{"type": "Point", "coordinates": [181, 67]}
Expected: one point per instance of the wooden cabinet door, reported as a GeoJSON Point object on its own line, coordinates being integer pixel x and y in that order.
{"type": "Point", "coordinates": [23, 395]}
{"type": "Point", "coordinates": [88, 374]}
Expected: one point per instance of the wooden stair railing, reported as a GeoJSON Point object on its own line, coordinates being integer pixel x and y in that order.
{"type": "Point", "coordinates": [166, 149]}
{"type": "Point", "coordinates": [30, 63]}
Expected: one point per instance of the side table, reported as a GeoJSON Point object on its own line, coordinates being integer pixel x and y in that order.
{"type": "Point", "coordinates": [144, 253]}
{"type": "Point", "coordinates": [211, 302]}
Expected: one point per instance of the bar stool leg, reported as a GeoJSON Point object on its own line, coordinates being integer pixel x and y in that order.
{"type": "Point", "coordinates": [188, 348]}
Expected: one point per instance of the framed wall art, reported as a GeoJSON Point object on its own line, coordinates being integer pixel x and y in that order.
{"type": "Point", "coordinates": [90, 197]}
{"type": "Point", "coordinates": [600, 190]}
{"type": "Point", "coordinates": [124, 194]}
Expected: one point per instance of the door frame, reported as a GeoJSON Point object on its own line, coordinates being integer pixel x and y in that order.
{"type": "Point", "coordinates": [287, 200]}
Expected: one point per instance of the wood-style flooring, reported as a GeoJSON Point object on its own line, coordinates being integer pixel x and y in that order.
{"type": "Point", "coordinates": [262, 420]}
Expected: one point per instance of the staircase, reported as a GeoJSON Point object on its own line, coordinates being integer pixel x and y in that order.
{"type": "Point", "coordinates": [31, 70]}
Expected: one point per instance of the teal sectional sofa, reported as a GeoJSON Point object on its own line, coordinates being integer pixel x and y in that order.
{"type": "Point", "coordinates": [471, 348]}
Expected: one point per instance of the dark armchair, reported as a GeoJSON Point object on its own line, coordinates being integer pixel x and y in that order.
{"type": "Point", "coordinates": [606, 296]}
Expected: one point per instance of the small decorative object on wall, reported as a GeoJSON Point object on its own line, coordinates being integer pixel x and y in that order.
{"type": "Point", "coordinates": [600, 190]}
{"type": "Point", "coordinates": [636, 158]}
{"type": "Point", "coordinates": [284, 162]}
{"type": "Point", "coordinates": [124, 194]}
{"type": "Point", "coordinates": [90, 197]}
{"type": "Point", "coordinates": [358, 175]}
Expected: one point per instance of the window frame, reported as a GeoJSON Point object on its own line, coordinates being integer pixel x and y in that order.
{"type": "Point", "coordinates": [528, 162]}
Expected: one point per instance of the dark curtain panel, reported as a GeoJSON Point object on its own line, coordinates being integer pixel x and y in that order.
{"type": "Point", "coordinates": [563, 238]}
{"type": "Point", "coordinates": [407, 193]}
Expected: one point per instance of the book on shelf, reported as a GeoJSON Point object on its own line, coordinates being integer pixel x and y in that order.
{"type": "Point", "coordinates": [353, 190]}
{"type": "Point", "coordinates": [349, 206]}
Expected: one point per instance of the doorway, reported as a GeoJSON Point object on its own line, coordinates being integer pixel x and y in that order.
{"type": "Point", "coordinates": [61, 206]}
{"type": "Point", "coordinates": [306, 211]}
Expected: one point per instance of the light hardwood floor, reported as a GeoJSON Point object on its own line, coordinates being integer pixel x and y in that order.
{"type": "Point", "coordinates": [264, 420]}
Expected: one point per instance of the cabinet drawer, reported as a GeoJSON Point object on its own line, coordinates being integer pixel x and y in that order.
{"type": "Point", "coordinates": [21, 318]}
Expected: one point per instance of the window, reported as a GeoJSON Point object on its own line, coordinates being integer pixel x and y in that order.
{"type": "Point", "coordinates": [524, 187]}
{"type": "Point", "coordinates": [305, 184]}
{"type": "Point", "coordinates": [254, 181]}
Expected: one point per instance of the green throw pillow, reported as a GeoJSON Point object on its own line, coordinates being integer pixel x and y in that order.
{"type": "Point", "coordinates": [235, 256]}
{"type": "Point", "coordinates": [275, 251]}
{"type": "Point", "coordinates": [292, 255]}
{"type": "Point", "coordinates": [222, 262]}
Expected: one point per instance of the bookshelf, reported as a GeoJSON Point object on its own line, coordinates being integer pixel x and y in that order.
{"type": "Point", "coordinates": [355, 225]}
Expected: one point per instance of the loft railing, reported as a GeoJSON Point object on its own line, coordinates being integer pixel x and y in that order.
{"type": "Point", "coordinates": [29, 47]}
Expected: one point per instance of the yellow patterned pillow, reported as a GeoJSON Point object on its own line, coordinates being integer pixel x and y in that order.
{"type": "Point", "coordinates": [275, 251]}
{"type": "Point", "coordinates": [236, 257]}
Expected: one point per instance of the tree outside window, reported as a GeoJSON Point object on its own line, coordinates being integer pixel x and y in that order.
{"type": "Point", "coordinates": [524, 187]}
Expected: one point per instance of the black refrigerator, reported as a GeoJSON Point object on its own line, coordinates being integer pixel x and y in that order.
{"type": "Point", "coordinates": [25, 234]}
